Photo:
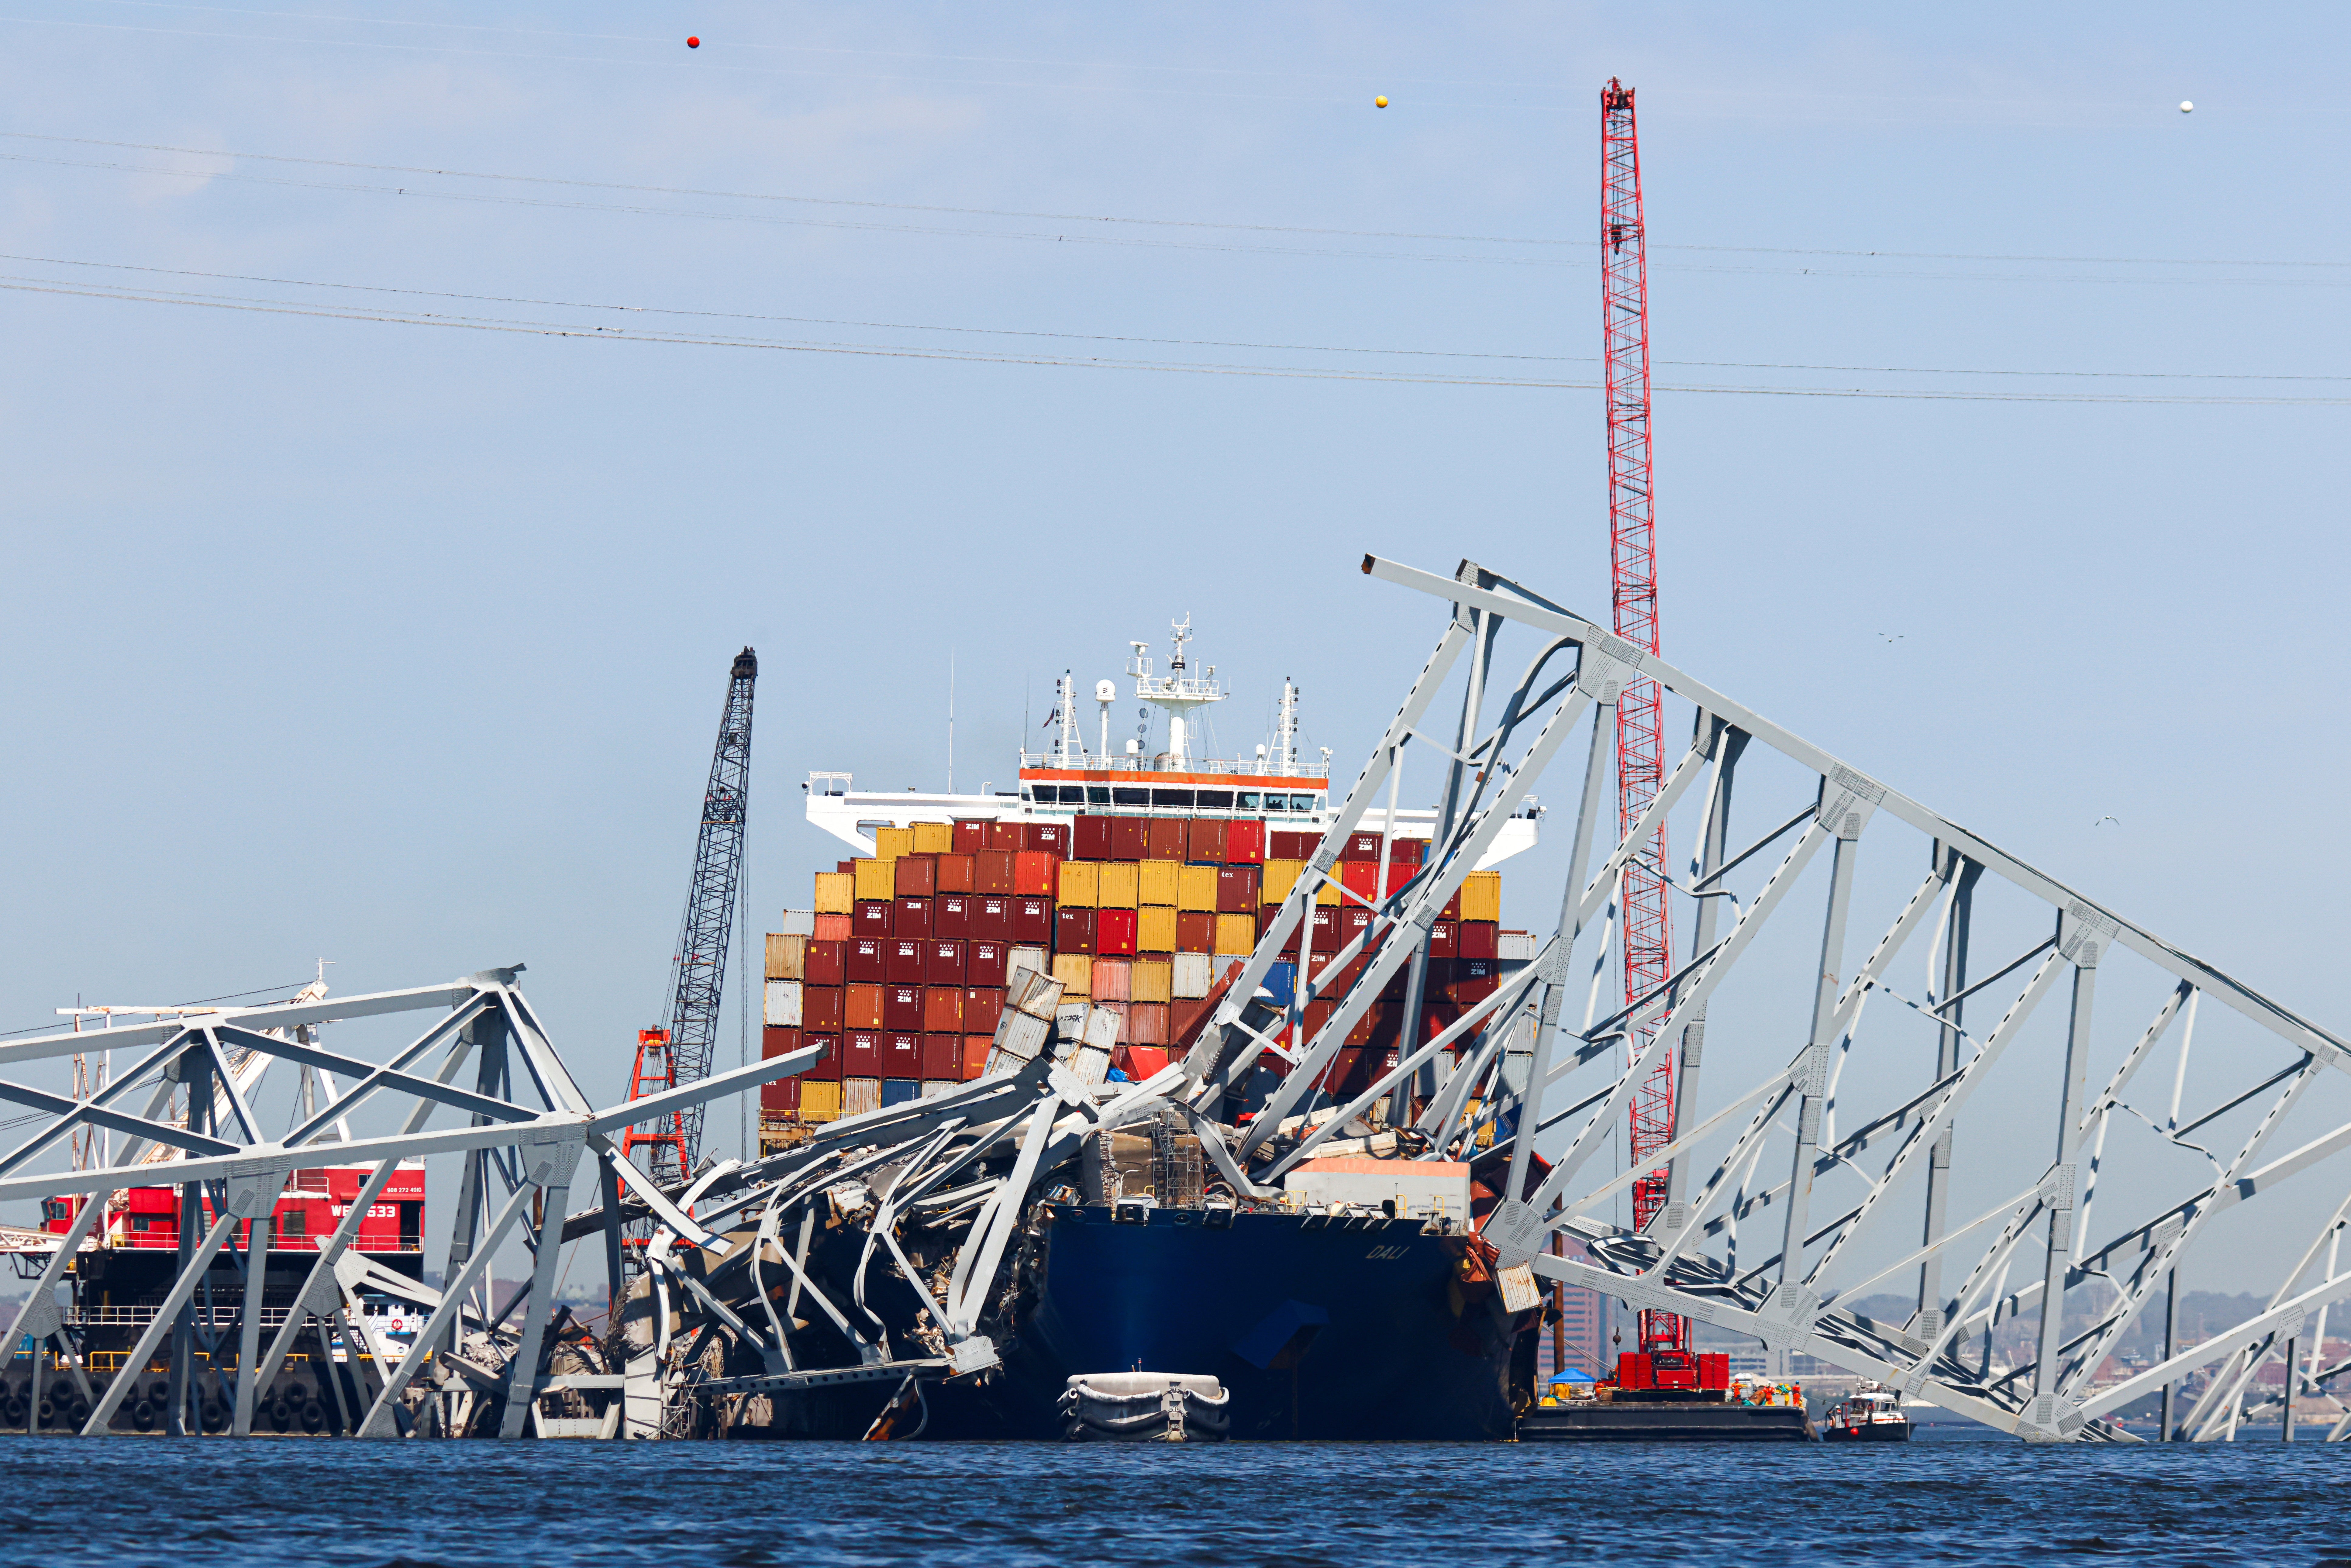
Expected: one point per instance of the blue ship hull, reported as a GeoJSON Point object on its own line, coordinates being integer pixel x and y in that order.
{"type": "Point", "coordinates": [1335, 1329]}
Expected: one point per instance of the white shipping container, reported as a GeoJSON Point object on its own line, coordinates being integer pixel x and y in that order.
{"type": "Point", "coordinates": [1194, 973]}
{"type": "Point", "coordinates": [1069, 1026]}
{"type": "Point", "coordinates": [1092, 1065]}
{"type": "Point", "coordinates": [1516, 946]}
{"type": "Point", "coordinates": [935, 1087]}
{"type": "Point", "coordinates": [1033, 993]}
{"type": "Point", "coordinates": [1101, 1033]}
{"type": "Point", "coordinates": [783, 1006]}
{"type": "Point", "coordinates": [1020, 1036]}
{"type": "Point", "coordinates": [798, 922]}
{"type": "Point", "coordinates": [1035, 959]}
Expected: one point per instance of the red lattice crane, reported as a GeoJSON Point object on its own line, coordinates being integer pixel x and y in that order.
{"type": "Point", "coordinates": [1647, 935]}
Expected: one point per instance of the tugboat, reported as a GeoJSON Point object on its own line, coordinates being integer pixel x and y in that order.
{"type": "Point", "coordinates": [1872, 1412]}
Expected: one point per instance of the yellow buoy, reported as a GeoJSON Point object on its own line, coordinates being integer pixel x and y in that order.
{"type": "Point", "coordinates": [1379, 103]}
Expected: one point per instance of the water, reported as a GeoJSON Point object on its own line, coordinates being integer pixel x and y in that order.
{"type": "Point", "coordinates": [685, 1505]}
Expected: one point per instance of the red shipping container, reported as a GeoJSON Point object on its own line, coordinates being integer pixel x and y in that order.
{"type": "Point", "coordinates": [865, 961]}
{"type": "Point", "coordinates": [942, 1013]}
{"type": "Point", "coordinates": [1184, 1019]}
{"type": "Point", "coordinates": [902, 1053]}
{"type": "Point", "coordinates": [1127, 838]}
{"type": "Point", "coordinates": [954, 874]}
{"type": "Point", "coordinates": [1452, 910]}
{"type": "Point", "coordinates": [912, 918]}
{"type": "Point", "coordinates": [835, 927]}
{"type": "Point", "coordinates": [781, 1095]}
{"type": "Point", "coordinates": [1004, 835]}
{"type": "Point", "coordinates": [902, 1008]}
{"type": "Point", "coordinates": [1164, 839]}
{"type": "Point", "coordinates": [1090, 839]}
{"type": "Point", "coordinates": [1051, 836]}
{"type": "Point", "coordinates": [991, 870]}
{"type": "Point", "coordinates": [1344, 1077]}
{"type": "Point", "coordinates": [1032, 922]}
{"type": "Point", "coordinates": [942, 964]}
{"type": "Point", "coordinates": [1361, 847]}
{"type": "Point", "coordinates": [916, 876]}
{"type": "Point", "coordinates": [1350, 924]}
{"type": "Point", "coordinates": [976, 1047]}
{"type": "Point", "coordinates": [1036, 873]}
{"type": "Point", "coordinates": [951, 915]}
{"type": "Point", "coordinates": [1237, 890]}
{"type": "Point", "coordinates": [861, 1008]}
{"type": "Point", "coordinates": [1204, 841]}
{"type": "Point", "coordinates": [1407, 851]}
{"type": "Point", "coordinates": [1477, 939]}
{"type": "Point", "coordinates": [970, 835]}
{"type": "Point", "coordinates": [983, 962]}
{"type": "Point", "coordinates": [1114, 932]}
{"type": "Point", "coordinates": [827, 1067]}
{"type": "Point", "coordinates": [1441, 939]}
{"type": "Point", "coordinates": [824, 964]}
{"type": "Point", "coordinates": [1146, 1023]}
{"type": "Point", "coordinates": [982, 1007]}
{"type": "Point", "coordinates": [861, 1053]}
{"type": "Point", "coordinates": [777, 1040]}
{"type": "Point", "coordinates": [821, 1006]}
{"type": "Point", "coordinates": [1073, 930]}
{"type": "Point", "coordinates": [1474, 979]}
{"type": "Point", "coordinates": [1367, 1027]}
{"type": "Point", "coordinates": [875, 916]}
{"type": "Point", "coordinates": [846, 868]}
{"type": "Point", "coordinates": [1244, 842]}
{"type": "Point", "coordinates": [1361, 878]}
{"type": "Point", "coordinates": [1140, 1062]}
{"type": "Point", "coordinates": [992, 919]}
{"type": "Point", "coordinates": [902, 962]}
{"type": "Point", "coordinates": [1195, 931]}
{"type": "Point", "coordinates": [942, 1056]}
{"type": "Point", "coordinates": [1289, 845]}
{"type": "Point", "coordinates": [1400, 872]}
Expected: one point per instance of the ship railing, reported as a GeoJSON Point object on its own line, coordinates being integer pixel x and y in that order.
{"type": "Point", "coordinates": [1245, 766]}
{"type": "Point", "coordinates": [140, 1315]}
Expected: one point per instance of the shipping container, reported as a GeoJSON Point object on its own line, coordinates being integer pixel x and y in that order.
{"type": "Point", "coordinates": [1478, 939]}
{"type": "Point", "coordinates": [915, 876]}
{"type": "Point", "coordinates": [1285, 844]}
{"type": "Point", "coordinates": [1361, 847]}
{"type": "Point", "coordinates": [835, 927]}
{"type": "Point", "coordinates": [1280, 876]}
{"type": "Point", "coordinates": [1236, 933]}
{"type": "Point", "coordinates": [1156, 882]}
{"type": "Point", "coordinates": [861, 1053]}
{"type": "Point", "coordinates": [1184, 1020]}
{"type": "Point", "coordinates": [1244, 842]}
{"type": "Point", "coordinates": [934, 838]}
{"type": "Point", "coordinates": [991, 872]}
{"type": "Point", "coordinates": [1118, 884]}
{"type": "Point", "coordinates": [890, 843]}
{"type": "Point", "coordinates": [876, 917]}
{"type": "Point", "coordinates": [1037, 960]}
{"type": "Point", "coordinates": [910, 917]}
{"type": "Point", "coordinates": [1361, 878]}
{"type": "Point", "coordinates": [1032, 920]}
{"type": "Point", "coordinates": [1204, 841]}
{"type": "Point", "coordinates": [835, 891]}
{"type": "Point", "coordinates": [821, 1006]}
{"type": "Point", "coordinates": [935, 1087]}
{"type": "Point", "coordinates": [1195, 887]}
{"type": "Point", "coordinates": [902, 962]}
{"type": "Point", "coordinates": [1474, 979]}
{"type": "Point", "coordinates": [820, 1102]}
{"type": "Point", "coordinates": [1078, 883]}
{"type": "Point", "coordinates": [1108, 980]}
{"type": "Point", "coordinates": [1117, 1010]}
{"type": "Point", "coordinates": [781, 1095]}
{"type": "Point", "coordinates": [983, 963]}
{"type": "Point", "coordinates": [1075, 971]}
{"type": "Point", "coordinates": [860, 1096]}
{"type": "Point", "coordinates": [826, 1067]}
{"type": "Point", "coordinates": [1164, 839]}
{"type": "Point", "coordinates": [1073, 930]}
{"type": "Point", "coordinates": [974, 1061]}
{"type": "Point", "coordinates": [1140, 1062]}
{"type": "Point", "coordinates": [1146, 1024]}
{"type": "Point", "coordinates": [1195, 931]}
{"type": "Point", "coordinates": [874, 879]}
{"type": "Point", "coordinates": [951, 915]}
{"type": "Point", "coordinates": [1188, 976]}
{"type": "Point", "coordinates": [787, 956]}
{"type": "Point", "coordinates": [1152, 980]}
{"type": "Point", "coordinates": [1114, 932]}
{"type": "Point", "coordinates": [1053, 837]}
{"type": "Point", "coordinates": [1129, 838]}
{"type": "Point", "coordinates": [1237, 890]}
{"type": "Point", "coordinates": [1481, 897]}
{"type": "Point", "coordinates": [865, 961]}
{"type": "Point", "coordinates": [991, 918]}
{"type": "Point", "coordinates": [1516, 946]}
{"type": "Point", "coordinates": [1007, 836]}
{"type": "Point", "coordinates": [970, 835]}
{"type": "Point", "coordinates": [954, 874]}
{"type": "Point", "coordinates": [901, 1008]}
{"type": "Point", "coordinates": [821, 962]}
{"type": "Point", "coordinates": [1442, 940]}
{"type": "Point", "coordinates": [943, 963]}
{"type": "Point", "coordinates": [943, 1010]}
{"type": "Point", "coordinates": [1035, 873]}
{"type": "Point", "coordinates": [902, 1053]}
{"type": "Point", "coordinates": [860, 1007]}
{"type": "Point", "coordinates": [942, 1056]}
{"type": "Point", "coordinates": [982, 1006]}
{"type": "Point", "coordinates": [1155, 929]}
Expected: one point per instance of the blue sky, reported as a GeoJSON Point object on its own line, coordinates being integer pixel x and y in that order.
{"type": "Point", "coordinates": [401, 643]}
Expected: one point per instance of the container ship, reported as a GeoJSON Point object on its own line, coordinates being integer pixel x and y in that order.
{"type": "Point", "coordinates": [1138, 880]}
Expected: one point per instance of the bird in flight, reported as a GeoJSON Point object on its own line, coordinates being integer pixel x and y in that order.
{"type": "Point", "coordinates": [1890, 636]}
{"type": "Point", "coordinates": [2102, 821]}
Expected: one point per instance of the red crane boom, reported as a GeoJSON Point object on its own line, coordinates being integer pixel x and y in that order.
{"type": "Point", "coordinates": [1647, 935]}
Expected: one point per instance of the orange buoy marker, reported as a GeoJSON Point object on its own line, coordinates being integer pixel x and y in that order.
{"type": "Point", "coordinates": [1379, 103]}
{"type": "Point", "coordinates": [692, 43]}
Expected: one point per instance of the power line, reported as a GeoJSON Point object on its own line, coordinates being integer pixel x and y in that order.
{"type": "Point", "coordinates": [98, 1036]}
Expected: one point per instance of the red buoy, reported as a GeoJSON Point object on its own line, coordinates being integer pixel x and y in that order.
{"type": "Point", "coordinates": [693, 43]}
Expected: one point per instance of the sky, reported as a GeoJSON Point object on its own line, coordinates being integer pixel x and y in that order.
{"type": "Point", "coordinates": [412, 413]}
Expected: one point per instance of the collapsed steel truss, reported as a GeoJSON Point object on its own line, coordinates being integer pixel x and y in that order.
{"type": "Point", "coordinates": [1829, 1221]}
{"type": "Point", "coordinates": [526, 1126]}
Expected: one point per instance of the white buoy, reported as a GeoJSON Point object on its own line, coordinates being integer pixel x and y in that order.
{"type": "Point", "coordinates": [2186, 107]}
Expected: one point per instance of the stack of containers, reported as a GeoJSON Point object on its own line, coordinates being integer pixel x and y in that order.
{"type": "Point", "coordinates": [900, 967]}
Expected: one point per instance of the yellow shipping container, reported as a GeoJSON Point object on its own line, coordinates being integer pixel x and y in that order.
{"type": "Point", "coordinates": [1481, 896]}
{"type": "Point", "coordinates": [1279, 877]}
{"type": "Point", "coordinates": [875, 878]}
{"type": "Point", "coordinates": [1328, 894]}
{"type": "Point", "coordinates": [787, 956]}
{"type": "Point", "coordinates": [836, 892]}
{"type": "Point", "coordinates": [1154, 932]}
{"type": "Point", "coordinates": [1076, 973]}
{"type": "Point", "coordinates": [891, 843]}
{"type": "Point", "coordinates": [1157, 881]}
{"type": "Point", "coordinates": [1196, 889]}
{"type": "Point", "coordinates": [1236, 933]}
{"type": "Point", "coordinates": [1153, 979]}
{"type": "Point", "coordinates": [1118, 884]}
{"type": "Point", "coordinates": [1079, 881]}
{"type": "Point", "coordinates": [934, 838]}
{"type": "Point", "coordinates": [819, 1101]}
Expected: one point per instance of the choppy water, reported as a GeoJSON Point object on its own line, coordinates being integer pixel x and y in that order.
{"type": "Point", "coordinates": [194, 1504]}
